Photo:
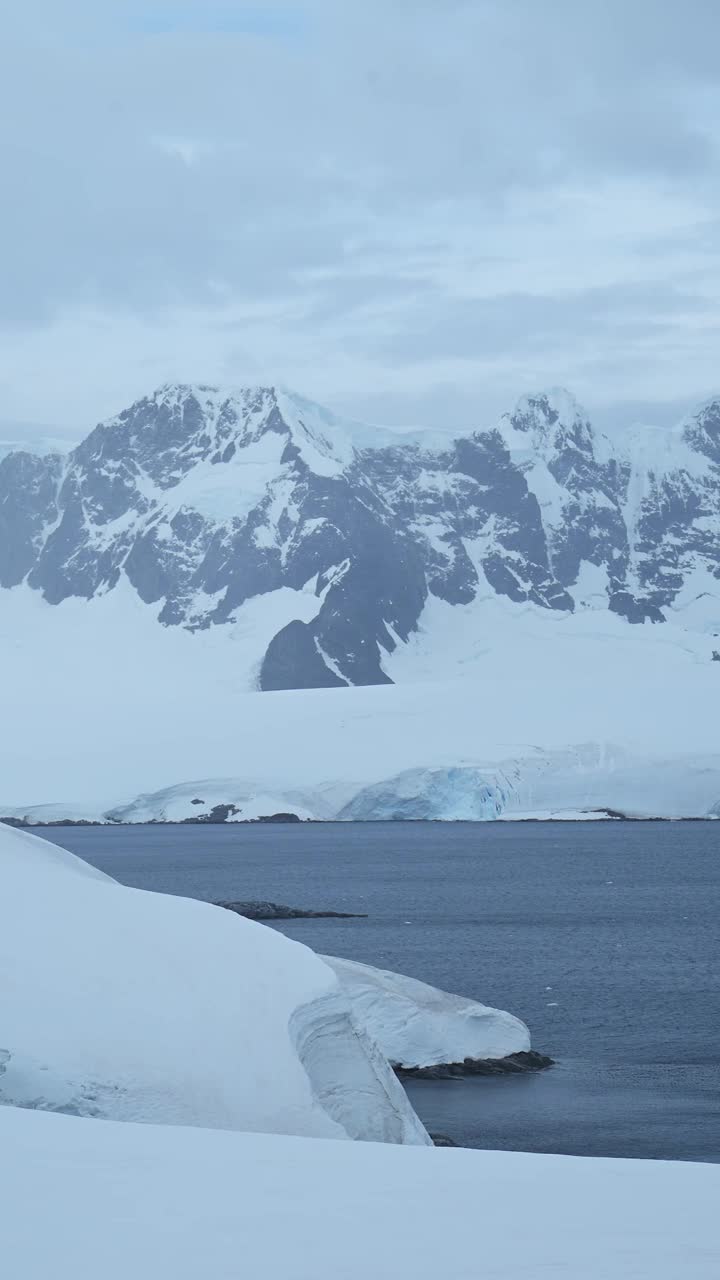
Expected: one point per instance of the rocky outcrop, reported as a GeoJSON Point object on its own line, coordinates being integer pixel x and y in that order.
{"type": "Point", "coordinates": [513, 1064]}
{"type": "Point", "coordinates": [274, 911]}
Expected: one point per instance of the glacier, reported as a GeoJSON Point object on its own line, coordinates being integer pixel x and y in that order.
{"type": "Point", "coordinates": [454, 794]}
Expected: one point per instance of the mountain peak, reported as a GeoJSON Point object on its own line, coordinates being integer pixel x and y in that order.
{"type": "Point", "coordinates": [325, 441]}
{"type": "Point", "coordinates": [173, 393]}
{"type": "Point", "coordinates": [556, 406]}
{"type": "Point", "coordinates": [702, 430]}
{"type": "Point", "coordinates": [212, 400]}
{"type": "Point", "coordinates": [548, 423]}
{"type": "Point", "coordinates": [179, 425]}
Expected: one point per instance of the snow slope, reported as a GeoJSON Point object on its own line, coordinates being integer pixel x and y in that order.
{"type": "Point", "coordinates": [119, 1200]}
{"type": "Point", "coordinates": [417, 1025]}
{"type": "Point", "coordinates": [128, 1005]}
{"type": "Point", "coordinates": [146, 710]}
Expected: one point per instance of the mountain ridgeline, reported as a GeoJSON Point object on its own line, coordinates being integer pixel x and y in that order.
{"type": "Point", "coordinates": [205, 499]}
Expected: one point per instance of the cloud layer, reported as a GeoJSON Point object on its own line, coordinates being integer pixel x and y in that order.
{"type": "Point", "coordinates": [413, 211]}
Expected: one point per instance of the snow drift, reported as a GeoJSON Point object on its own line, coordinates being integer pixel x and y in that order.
{"type": "Point", "coordinates": [417, 1025]}
{"type": "Point", "coordinates": [85, 1200]}
{"type": "Point", "coordinates": [129, 1005]}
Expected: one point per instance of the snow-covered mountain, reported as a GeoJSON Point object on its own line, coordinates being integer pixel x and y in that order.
{"type": "Point", "coordinates": [213, 506]}
{"type": "Point", "coordinates": [505, 598]}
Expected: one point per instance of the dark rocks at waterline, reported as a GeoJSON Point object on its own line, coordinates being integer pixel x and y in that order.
{"type": "Point", "coordinates": [514, 1064]}
{"type": "Point", "coordinates": [229, 812]}
{"type": "Point", "coordinates": [23, 824]}
{"type": "Point", "coordinates": [278, 817]}
{"type": "Point", "coordinates": [442, 1140]}
{"type": "Point", "coordinates": [219, 813]}
{"type": "Point", "coordinates": [275, 911]}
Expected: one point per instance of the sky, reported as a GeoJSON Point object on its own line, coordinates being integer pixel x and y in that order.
{"type": "Point", "coordinates": [413, 211]}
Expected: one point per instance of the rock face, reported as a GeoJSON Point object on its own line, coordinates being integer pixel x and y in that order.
{"type": "Point", "coordinates": [204, 499]}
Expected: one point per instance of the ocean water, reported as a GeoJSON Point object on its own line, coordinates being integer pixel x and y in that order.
{"type": "Point", "coordinates": [603, 937]}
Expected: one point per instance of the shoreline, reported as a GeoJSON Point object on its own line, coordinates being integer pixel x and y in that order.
{"type": "Point", "coordinates": [593, 816]}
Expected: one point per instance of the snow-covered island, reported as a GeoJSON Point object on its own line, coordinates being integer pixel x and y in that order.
{"type": "Point", "coordinates": [174, 1080]}
{"type": "Point", "coordinates": [359, 730]}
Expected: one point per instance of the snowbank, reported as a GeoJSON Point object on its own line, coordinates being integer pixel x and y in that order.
{"type": "Point", "coordinates": [111, 1200]}
{"type": "Point", "coordinates": [416, 1025]}
{"type": "Point", "coordinates": [139, 1006]}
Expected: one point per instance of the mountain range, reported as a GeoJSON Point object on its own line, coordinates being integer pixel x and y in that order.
{"type": "Point", "coordinates": [201, 500]}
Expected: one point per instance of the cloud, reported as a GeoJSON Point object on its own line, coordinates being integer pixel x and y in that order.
{"type": "Point", "coordinates": [395, 207]}
{"type": "Point", "coordinates": [230, 18]}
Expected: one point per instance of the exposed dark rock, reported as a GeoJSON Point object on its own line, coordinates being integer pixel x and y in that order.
{"type": "Point", "coordinates": [219, 813]}
{"type": "Point", "coordinates": [28, 507]}
{"type": "Point", "coordinates": [514, 1064]}
{"type": "Point", "coordinates": [227, 812]}
{"type": "Point", "coordinates": [59, 822]}
{"type": "Point", "coordinates": [292, 661]}
{"type": "Point", "coordinates": [441, 1140]}
{"type": "Point", "coordinates": [274, 911]}
{"type": "Point", "coordinates": [278, 817]}
{"type": "Point", "coordinates": [616, 815]}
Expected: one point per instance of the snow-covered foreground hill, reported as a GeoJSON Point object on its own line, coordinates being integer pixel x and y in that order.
{"type": "Point", "coordinates": [85, 1200]}
{"type": "Point", "coordinates": [128, 1005]}
{"type": "Point", "coordinates": [241, 1054]}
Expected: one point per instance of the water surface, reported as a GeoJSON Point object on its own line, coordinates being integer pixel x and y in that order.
{"type": "Point", "coordinates": [603, 937]}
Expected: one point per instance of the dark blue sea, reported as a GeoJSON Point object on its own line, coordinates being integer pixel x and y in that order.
{"type": "Point", "coordinates": [603, 937]}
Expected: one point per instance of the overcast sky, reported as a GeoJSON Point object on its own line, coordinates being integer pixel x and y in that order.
{"type": "Point", "coordinates": [413, 210]}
